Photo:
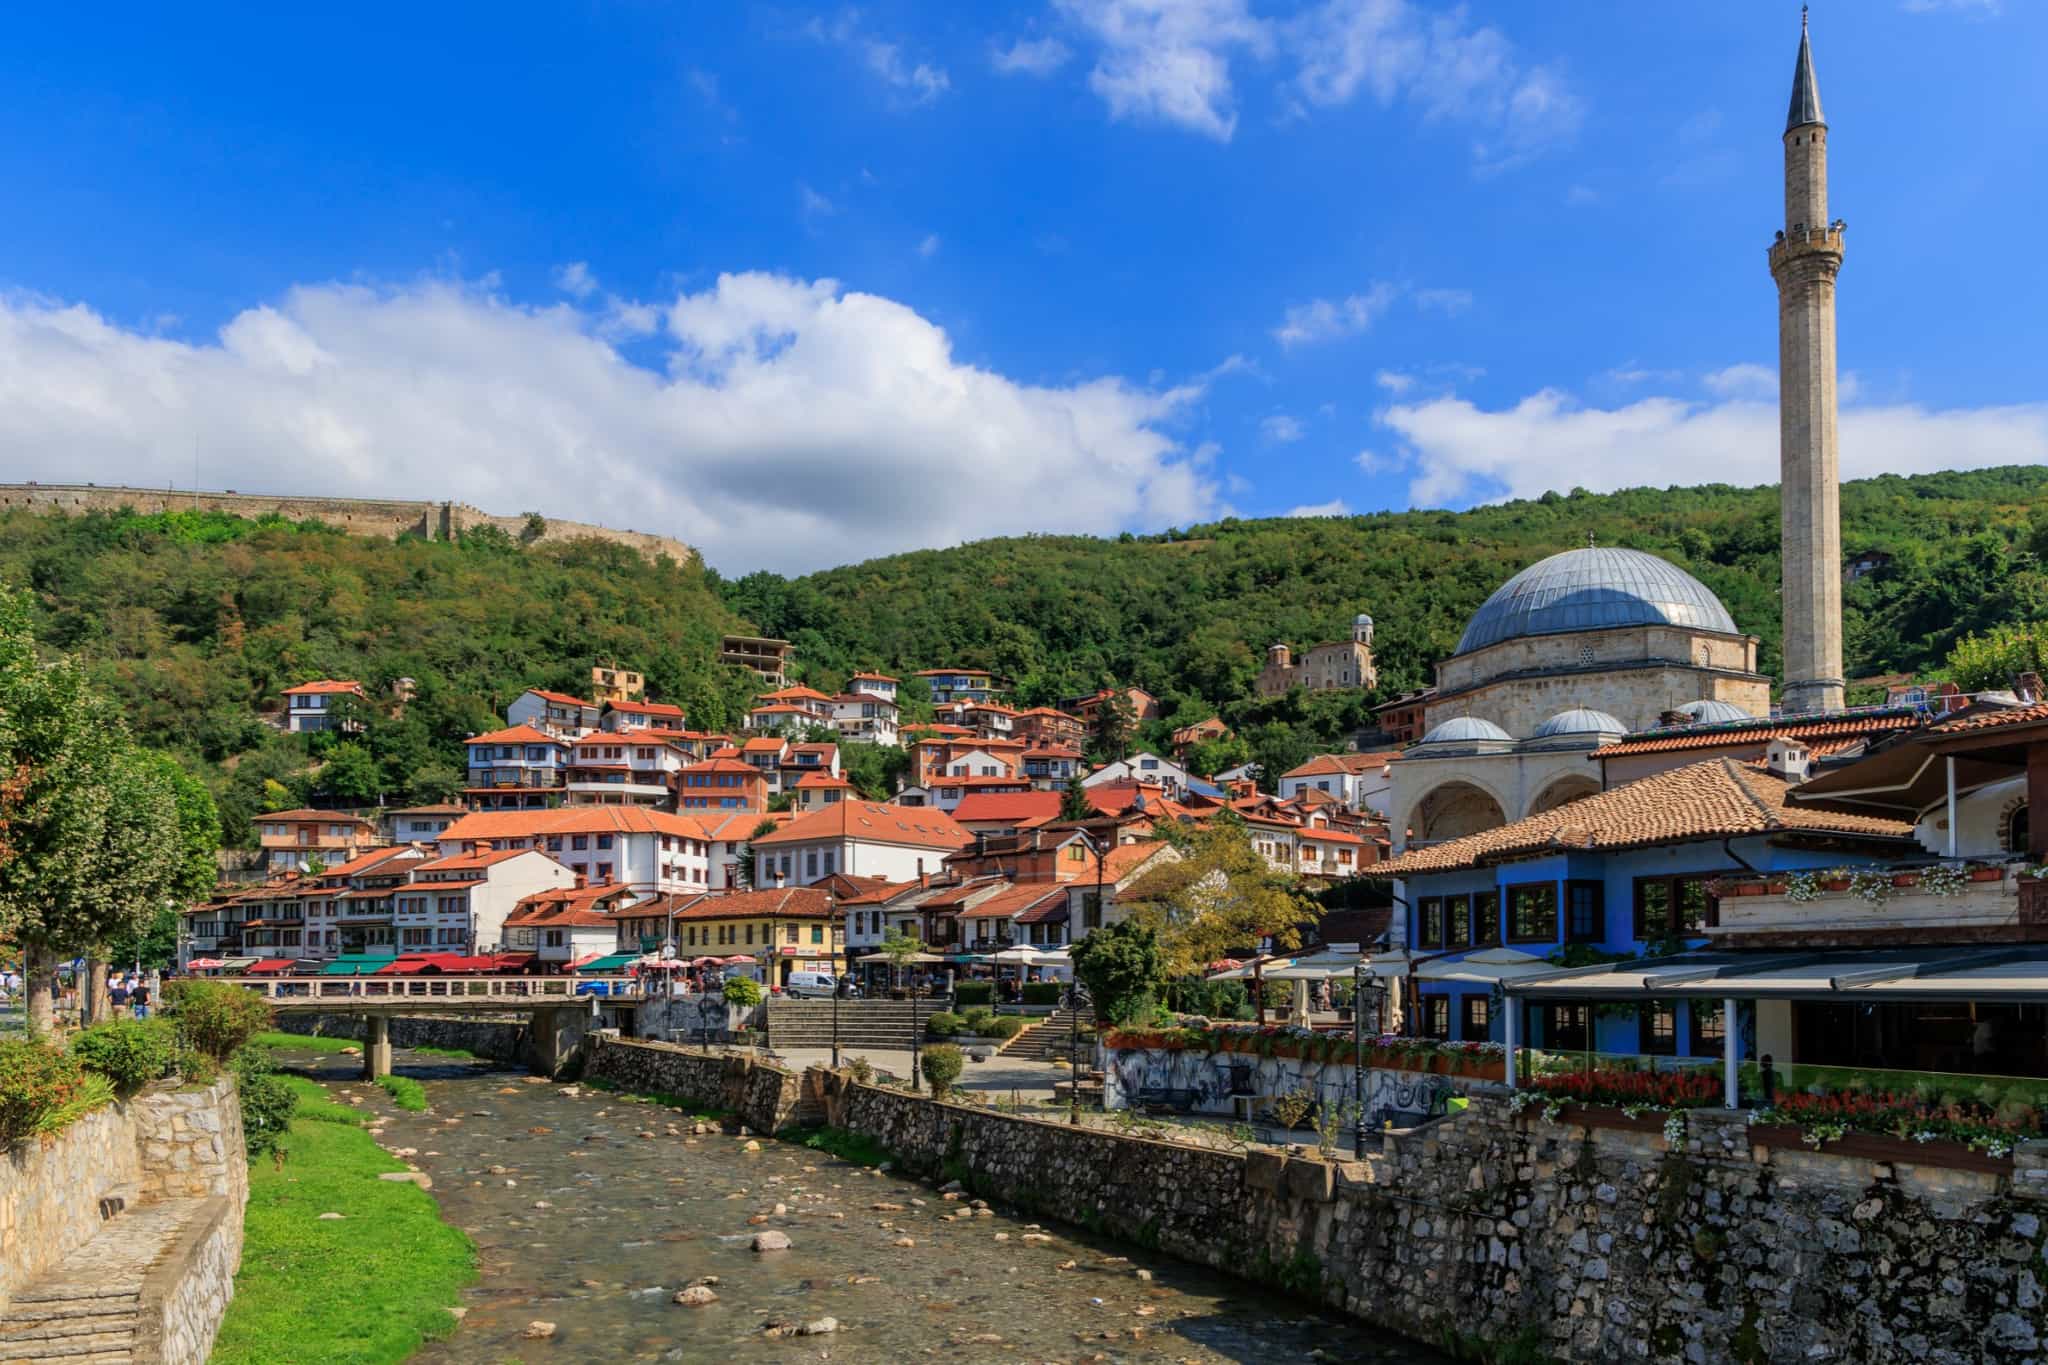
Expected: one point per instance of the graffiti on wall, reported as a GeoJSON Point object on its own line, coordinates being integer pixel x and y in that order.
{"type": "Point", "coordinates": [1210, 1082]}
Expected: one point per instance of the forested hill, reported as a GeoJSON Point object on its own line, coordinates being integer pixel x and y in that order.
{"type": "Point", "coordinates": [194, 622]}
{"type": "Point", "coordinates": [1188, 614]}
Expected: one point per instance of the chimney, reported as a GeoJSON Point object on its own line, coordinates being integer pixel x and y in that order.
{"type": "Point", "coordinates": [1674, 718]}
{"type": "Point", "coordinates": [1788, 759]}
{"type": "Point", "coordinates": [2028, 686]}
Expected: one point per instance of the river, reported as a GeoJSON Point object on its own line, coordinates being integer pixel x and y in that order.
{"type": "Point", "coordinates": [590, 1211]}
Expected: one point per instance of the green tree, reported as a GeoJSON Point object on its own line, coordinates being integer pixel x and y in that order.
{"type": "Point", "coordinates": [1110, 736]}
{"type": "Point", "coordinates": [1122, 967]}
{"type": "Point", "coordinates": [1222, 895]}
{"type": "Point", "coordinates": [1992, 661]}
{"type": "Point", "coordinates": [1074, 803]}
{"type": "Point", "coordinates": [351, 773]}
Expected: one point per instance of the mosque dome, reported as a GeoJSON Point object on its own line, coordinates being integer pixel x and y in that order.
{"type": "Point", "coordinates": [1713, 712]}
{"type": "Point", "coordinates": [1596, 588]}
{"type": "Point", "coordinates": [1467, 730]}
{"type": "Point", "coordinates": [1581, 720]}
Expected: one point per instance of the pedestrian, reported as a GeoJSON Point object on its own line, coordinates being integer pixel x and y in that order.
{"type": "Point", "coordinates": [117, 992]}
{"type": "Point", "coordinates": [140, 998]}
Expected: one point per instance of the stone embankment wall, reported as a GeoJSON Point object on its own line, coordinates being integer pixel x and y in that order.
{"type": "Point", "coordinates": [1586, 1244]}
{"type": "Point", "coordinates": [766, 1098]}
{"type": "Point", "coordinates": [501, 1040]}
{"type": "Point", "coordinates": [165, 1147]}
{"type": "Point", "coordinates": [389, 517]}
{"type": "Point", "coordinates": [1210, 1082]}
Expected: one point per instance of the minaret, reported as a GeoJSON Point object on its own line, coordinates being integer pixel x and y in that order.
{"type": "Point", "coordinates": [1804, 260]}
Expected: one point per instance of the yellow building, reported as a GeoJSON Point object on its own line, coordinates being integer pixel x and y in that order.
{"type": "Point", "coordinates": [797, 929]}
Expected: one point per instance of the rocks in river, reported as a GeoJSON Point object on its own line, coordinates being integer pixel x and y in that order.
{"type": "Point", "coordinates": [1002, 1237]}
{"type": "Point", "coordinates": [696, 1296]}
{"type": "Point", "coordinates": [542, 1204]}
{"type": "Point", "coordinates": [1035, 1237]}
{"type": "Point", "coordinates": [530, 1080]}
{"type": "Point", "coordinates": [751, 1146]}
{"type": "Point", "coordinates": [779, 1210]}
{"type": "Point", "coordinates": [498, 1170]}
{"type": "Point", "coordinates": [886, 1207]}
{"type": "Point", "coordinates": [771, 1241]}
{"type": "Point", "coordinates": [351, 1052]}
{"type": "Point", "coordinates": [538, 1330]}
{"type": "Point", "coordinates": [904, 1242]}
{"type": "Point", "coordinates": [540, 1132]}
{"type": "Point", "coordinates": [1142, 1273]}
{"type": "Point", "coordinates": [646, 1133]}
{"type": "Point", "coordinates": [819, 1327]}
{"type": "Point", "coordinates": [419, 1178]}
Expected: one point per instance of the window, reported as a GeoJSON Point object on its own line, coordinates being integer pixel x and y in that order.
{"type": "Point", "coordinates": [2017, 829]}
{"type": "Point", "coordinates": [1475, 1018]}
{"type": "Point", "coordinates": [1675, 906]}
{"type": "Point", "coordinates": [1458, 921]}
{"type": "Point", "coordinates": [817, 933]}
{"type": "Point", "coordinates": [1532, 913]}
{"type": "Point", "coordinates": [790, 934]}
{"type": "Point", "coordinates": [1567, 1028]}
{"type": "Point", "coordinates": [1436, 1016]}
{"type": "Point", "coordinates": [1430, 933]}
{"type": "Point", "coordinates": [1583, 902]}
{"type": "Point", "coordinates": [1709, 1028]}
{"type": "Point", "coordinates": [579, 841]}
{"type": "Point", "coordinates": [1486, 918]}
{"type": "Point", "coordinates": [604, 841]}
{"type": "Point", "coordinates": [1657, 1028]}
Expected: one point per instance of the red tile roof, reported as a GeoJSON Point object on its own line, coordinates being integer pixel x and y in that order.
{"type": "Point", "coordinates": [560, 698]}
{"type": "Point", "coordinates": [324, 687]}
{"type": "Point", "coordinates": [875, 677]}
{"type": "Point", "coordinates": [1717, 799]}
{"type": "Point", "coordinates": [339, 817]}
{"type": "Point", "coordinates": [528, 824]}
{"type": "Point", "coordinates": [647, 708]}
{"type": "Point", "coordinates": [517, 734]}
{"type": "Point", "coordinates": [1760, 732]}
{"type": "Point", "coordinates": [1329, 764]}
{"type": "Point", "coordinates": [795, 902]}
{"type": "Point", "coordinates": [1986, 720]}
{"type": "Point", "coordinates": [1019, 808]}
{"type": "Point", "coordinates": [817, 780]}
{"type": "Point", "coordinates": [875, 822]}
{"type": "Point", "coordinates": [467, 861]}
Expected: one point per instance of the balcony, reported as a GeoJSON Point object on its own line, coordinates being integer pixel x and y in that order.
{"type": "Point", "coordinates": [1959, 902]}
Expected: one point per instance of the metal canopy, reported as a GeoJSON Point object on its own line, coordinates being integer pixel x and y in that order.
{"type": "Point", "coordinates": [2012, 974]}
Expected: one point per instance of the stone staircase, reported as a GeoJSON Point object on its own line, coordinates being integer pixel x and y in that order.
{"type": "Point", "coordinates": [86, 1309]}
{"type": "Point", "coordinates": [1046, 1040]}
{"type": "Point", "coordinates": [875, 1025]}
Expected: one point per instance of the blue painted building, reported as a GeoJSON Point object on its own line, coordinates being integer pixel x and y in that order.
{"type": "Point", "coordinates": [1629, 871]}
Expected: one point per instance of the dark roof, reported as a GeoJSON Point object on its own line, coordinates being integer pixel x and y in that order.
{"type": "Point", "coordinates": [1805, 90]}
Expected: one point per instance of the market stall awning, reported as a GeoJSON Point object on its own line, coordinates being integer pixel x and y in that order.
{"type": "Point", "coordinates": [2010, 973]}
{"type": "Point", "coordinates": [357, 964]}
{"type": "Point", "coordinates": [272, 966]}
{"type": "Point", "coordinates": [238, 964]}
{"type": "Point", "coordinates": [611, 962]}
{"type": "Point", "coordinates": [1485, 967]}
{"type": "Point", "coordinates": [913, 959]}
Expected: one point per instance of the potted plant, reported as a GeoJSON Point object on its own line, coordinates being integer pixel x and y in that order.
{"type": "Point", "coordinates": [1987, 872]}
{"type": "Point", "coordinates": [1835, 879]}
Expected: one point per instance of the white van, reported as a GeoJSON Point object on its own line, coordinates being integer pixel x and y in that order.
{"type": "Point", "coordinates": [811, 985]}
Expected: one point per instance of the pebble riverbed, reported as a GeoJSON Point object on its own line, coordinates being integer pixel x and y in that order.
{"type": "Point", "coordinates": [591, 1212]}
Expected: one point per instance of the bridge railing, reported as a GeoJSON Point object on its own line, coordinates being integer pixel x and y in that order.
{"type": "Point", "coordinates": [431, 989]}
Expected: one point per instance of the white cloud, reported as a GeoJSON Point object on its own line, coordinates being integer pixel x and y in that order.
{"type": "Point", "coordinates": [929, 246]}
{"type": "Point", "coordinates": [1030, 57]}
{"type": "Point", "coordinates": [1449, 302]}
{"type": "Point", "coordinates": [1632, 374]}
{"type": "Point", "coordinates": [1280, 429]}
{"type": "Point", "coordinates": [788, 424]}
{"type": "Point", "coordinates": [1462, 452]}
{"type": "Point", "coordinates": [1168, 61]}
{"type": "Point", "coordinates": [1392, 49]}
{"type": "Point", "coordinates": [815, 205]}
{"type": "Point", "coordinates": [575, 280]}
{"type": "Point", "coordinates": [1393, 381]}
{"type": "Point", "coordinates": [912, 82]}
{"type": "Point", "coordinates": [1580, 195]}
{"type": "Point", "coordinates": [1744, 380]}
{"type": "Point", "coordinates": [1328, 319]}
{"type": "Point", "coordinates": [1982, 9]}
{"type": "Point", "coordinates": [1335, 507]}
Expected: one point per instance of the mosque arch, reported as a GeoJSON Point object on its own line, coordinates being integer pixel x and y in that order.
{"type": "Point", "coordinates": [1562, 792]}
{"type": "Point", "coordinates": [1453, 809]}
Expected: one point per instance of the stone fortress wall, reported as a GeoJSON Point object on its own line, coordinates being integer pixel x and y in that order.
{"type": "Point", "coordinates": [389, 517]}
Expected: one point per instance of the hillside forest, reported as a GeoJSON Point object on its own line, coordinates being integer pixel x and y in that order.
{"type": "Point", "coordinates": [193, 623]}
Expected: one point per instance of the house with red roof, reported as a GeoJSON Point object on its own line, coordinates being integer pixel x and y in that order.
{"type": "Point", "coordinates": [621, 716]}
{"type": "Point", "coordinates": [309, 706]}
{"type": "Point", "coordinates": [521, 767]}
{"type": "Point", "coordinates": [564, 927]}
{"type": "Point", "coordinates": [982, 811]}
{"type": "Point", "coordinates": [459, 903]}
{"type": "Point", "coordinates": [721, 784]}
{"type": "Point", "coordinates": [858, 838]}
{"type": "Point", "coordinates": [556, 713]}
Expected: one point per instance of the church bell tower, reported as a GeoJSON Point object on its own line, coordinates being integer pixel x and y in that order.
{"type": "Point", "coordinates": [1805, 259]}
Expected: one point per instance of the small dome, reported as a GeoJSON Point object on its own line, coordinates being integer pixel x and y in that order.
{"type": "Point", "coordinates": [1361, 620]}
{"type": "Point", "coordinates": [1713, 712]}
{"type": "Point", "coordinates": [1594, 589]}
{"type": "Point", "coordinates": [1467, 730]}
{"type": "Point", "coordinates": [1579, 721]}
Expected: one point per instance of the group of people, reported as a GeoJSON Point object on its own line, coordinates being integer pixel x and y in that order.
{"type": "Point", "coordinates": [134, 991]}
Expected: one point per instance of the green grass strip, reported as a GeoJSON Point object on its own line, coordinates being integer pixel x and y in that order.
{"type": "Point", "coordinates": [460, 1053]}
{"type": "Point", "coordinates": [316, 1107]}
{"type": "Point", "coordinates": [405, 1092]}
{"type": "Point", "coordinates": [306, 1042]}
{"type": "Point", "coordinates": [365, 1289]}
{"type": "Point", "coordinates": [858, 1148]}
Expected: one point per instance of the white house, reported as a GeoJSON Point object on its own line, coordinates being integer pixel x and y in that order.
{"type": "Point", "coordinates": [860, 839]}
{"type": "Point", "coordinates": [307, 706]}
{"type": "Point", "coordinates": [1052, 766]}
{"type": "Point", "coordinates": [1361, 781]}
{"type": "Point", "coordinates": [647, 851]}
{"type": "Point", "coordinates": [873, 685]}
{"type": "Point", "coordinates": [568, 925]}
{"type": "Point", "coordinates": [521, 755]}
{"type": "Point", "coordinates": [622, 716]}
{"type": "Point", "coordinates": [866, 717]}
{"type": "Point", "coordinates": [1142, 767]}
{"type": "Point", "coordinates": [978, 763]}
{"type": "Point", "coordinates": [557, 713]}
{"type": "Point", "coordinates": [623, 768]}
{"type": "Point", "coordinates": [459, 904]}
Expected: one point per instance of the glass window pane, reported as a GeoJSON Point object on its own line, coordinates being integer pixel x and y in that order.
{"type": "Point", "coordinates": [1653, 909]}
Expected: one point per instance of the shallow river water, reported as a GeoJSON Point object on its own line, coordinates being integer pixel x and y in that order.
{"type": "Point", "coordinates": [583, 1220]}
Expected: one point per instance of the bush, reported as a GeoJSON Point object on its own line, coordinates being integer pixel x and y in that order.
{"type": "Point", "coordinates": [942, 1064]}
{"type": "Point", "coordinates": [1044, 993]}
{"type": "Point", "coordinates": [968, 993]}
{"type": "Point", "coordinates": [743, 991]}
{"type": "Point", "coordinates": [129, 1052]}
{"type": "Point", "coordinates": [216, 1017]}
{"type": "Point", "coordinates": [999, 1026]}
{"type": "Point", "coordinates": [42, 1089]}
{"type": "Point", "coordinates": [944, 1024]}
{"type": "Point", "coordinates": [268, 1102]}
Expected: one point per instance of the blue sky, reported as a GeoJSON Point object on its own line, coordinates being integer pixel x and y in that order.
{"type": "Point", "coordinates": [801, 285]}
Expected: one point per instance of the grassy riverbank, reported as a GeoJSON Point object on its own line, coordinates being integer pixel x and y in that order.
{"type": "Point", "coordinates": [364, 1289]}
{"type": "Point", "coordinates": [308, 1042]}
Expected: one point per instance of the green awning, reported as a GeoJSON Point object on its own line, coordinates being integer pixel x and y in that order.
{"type": "Point", "coordinates": [614, 963]}
{"type": "Point", "coordinates": [356, 964]}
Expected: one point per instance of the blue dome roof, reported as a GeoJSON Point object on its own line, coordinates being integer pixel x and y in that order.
{"type": "Point", "coordinates": [1594, 589]}
{"type": "Point", "coordinates": [1466, 730]}
{"type": "Point", "coordinates": [1713, 712]}
{"type": "Point", "coordinates": [1580, 721]}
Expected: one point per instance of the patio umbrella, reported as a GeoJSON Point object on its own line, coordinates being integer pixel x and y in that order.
{"type": "Point", "coordinates": [1488, 966]}
{"type": "Point", "coordinates": [884, 957]}
{"type": "Point", "coordinates": [205, 964]}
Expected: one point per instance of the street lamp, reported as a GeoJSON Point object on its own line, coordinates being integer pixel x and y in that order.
{"type": "Point", "coordinates": [831, 922]}
{"type": "Point", "coordinates": [916, 1037]}
{"type": "Point", "coordinates": [1076, 997]}
{"type": "Point", "coordinates": [1358, 1055]}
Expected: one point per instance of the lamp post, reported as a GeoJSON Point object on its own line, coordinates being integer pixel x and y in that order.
{"type": "Point", "coordinates": [832, 906]}
{"type": "Point", "coordinates": [916, 1038]}
{"type": "Point", "coordinates": [1358, 1056]}
{"type": "Point", "coordinates": [1076, 997]}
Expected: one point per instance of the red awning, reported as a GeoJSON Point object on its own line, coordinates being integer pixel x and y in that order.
{"type": "Point", "coordinates": [275, 964]}
{"type": "Point", "coordinates": [411, 964]}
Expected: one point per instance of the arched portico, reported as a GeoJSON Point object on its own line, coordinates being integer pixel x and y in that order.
{"type": "Point", "coordinates": [1562, 791]}
{"type": "Point", "coordinates": [1453, 809]}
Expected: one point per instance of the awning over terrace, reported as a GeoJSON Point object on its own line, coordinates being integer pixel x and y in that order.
{"type": "Point", "coordinates": [2009, 973]}
{"type": "Point", "coordinates": [611, 962]}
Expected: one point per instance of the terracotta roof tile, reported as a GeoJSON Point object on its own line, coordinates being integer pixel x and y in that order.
{"type": "Point", "coordinates": [1759, 733]}
{"type": "Point", "coordinates": [517, 734]}
{"type": "Point", "coordinates": [1986, 720]}
{"type": "Point", "coordinates": [1719, 798]}
{"type": "Point", "coordinates": [795, 902]}
{"type": "Point", "coordinates": [875, 822]}
{"type": "Point", "coordinates": [1028, 807]}
{"type": "Point", "coordinates": [324, 687]}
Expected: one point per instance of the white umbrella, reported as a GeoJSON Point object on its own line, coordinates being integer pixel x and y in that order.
{"type": "Point", "coordinates": [1315, 967]}
{"type": "Point", "coordinates": [1486, 966]}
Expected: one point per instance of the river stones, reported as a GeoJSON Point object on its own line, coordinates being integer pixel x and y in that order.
{"type": "Point", "coordinates": [538, 1330]}
{"type": "Point", "coordinates": [771, 1241]}
{"type": "Point", "coordinates": [904, 1242]}
{"type": "Point", "coordinates": [696, 1296]}
{"type": "Point", "coordinates": [419, 1178]}
{"type": "Point", "coordinates": [819, 1327]}
{"type": "Point", "coordinates": [751, 1146]}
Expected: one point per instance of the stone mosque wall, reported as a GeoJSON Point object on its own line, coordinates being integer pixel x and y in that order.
{"type": "Point", "coordinates": [387, 517]}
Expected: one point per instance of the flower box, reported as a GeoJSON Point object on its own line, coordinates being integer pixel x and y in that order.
{"type": "Point", "coordinates": [1750, 889]}
{"type": "Point", "coordinates": [1603, 1116]}
{"type": "Point", "coordinates": [1987, 874]}
{"type": "Point", "coordinates": [1779, 888]}
{"type": "Point", "coordinates": [1942, 1152]}
{"type": "Point", "coordinates": [1835, 884]}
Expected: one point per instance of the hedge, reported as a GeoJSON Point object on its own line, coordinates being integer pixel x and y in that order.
{"type": "Point", "coordinates": [1044, 993]}
{"type": "Point", "coordinates": [967, 993]}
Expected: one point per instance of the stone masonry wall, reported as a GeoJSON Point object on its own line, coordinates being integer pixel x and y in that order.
{"type": "Point", "coordinates": [1587, 1244]}
{"type": "Point", "coordinates": [387, 517]}
{"type": "Point", "coordinates": [765, 1097]}
{"type": "Point", "coordinates": [185, 1298]}
{"type": "Point", "coordinates": [501, 1040]}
